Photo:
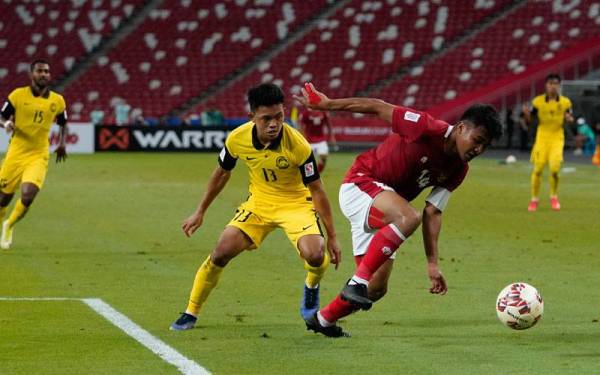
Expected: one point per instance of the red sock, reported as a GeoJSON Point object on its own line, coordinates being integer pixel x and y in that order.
{"type": "Point", "coordinates": [381, 247]}
{"type": "Point", "coordinates": [337, 309]}
{"type": "Point", "coordinates": [320, 167]}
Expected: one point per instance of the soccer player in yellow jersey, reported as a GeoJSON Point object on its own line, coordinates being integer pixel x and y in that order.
{"type": "Point", "coordinates": [285, 192]}
{"type": "Point", "coordinates": [551, 110]}
{"type": "Point", "coordinates": [29, 113]}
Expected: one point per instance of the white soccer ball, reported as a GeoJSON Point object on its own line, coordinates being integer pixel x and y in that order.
{"type": "Point", "coordinates": [511, 159]}
{"type": "Point", "coordinates": [519, 306]}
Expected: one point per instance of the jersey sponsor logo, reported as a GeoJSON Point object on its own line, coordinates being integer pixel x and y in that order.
{"type": "Point", "coordinates": [411, 116]}
{"type": "Point", "coordinates": [306, 227]}
{"type": "Point", "coordinates": [309, 169]}
{"type": "Point", "coordinates": [282, 162]}
{"type": "Point", "coordinates": [249, 158]}
{"type": "Point", "coordinates": [118, 139]}
{"type": "Point", "coordinates": [424, 178]}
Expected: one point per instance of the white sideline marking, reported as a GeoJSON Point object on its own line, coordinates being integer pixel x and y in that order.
{"type": "Point", "coordinates": [168, 354]}
{"type": "Point", "coordinates": [38, 299]}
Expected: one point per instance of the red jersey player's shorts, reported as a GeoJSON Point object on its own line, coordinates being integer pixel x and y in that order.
{"type": "Point", "coordinates": [355, 204]}
{"type": "Point", "coordinates": [258, 219]}
{"type": "Point", "coordinates": [320, 148]}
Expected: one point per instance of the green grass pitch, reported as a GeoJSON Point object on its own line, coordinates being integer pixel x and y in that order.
{"type": "Point", "coordinates": [108, 226]}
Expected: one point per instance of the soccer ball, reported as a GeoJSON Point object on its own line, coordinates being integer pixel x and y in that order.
{"type": "Point", "coordinates": [519, 306]}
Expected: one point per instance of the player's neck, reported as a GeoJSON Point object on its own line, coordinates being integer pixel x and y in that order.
{"type": "Point", "coordinates": [552, 96]}
{"type": "Point", "coordinates": [450, 143]}
{"type": "Point", "coordinates": [38, 91]}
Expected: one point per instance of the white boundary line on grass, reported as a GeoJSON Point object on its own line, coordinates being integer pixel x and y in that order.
{"type": "Point", "coordinates": [165, 352]}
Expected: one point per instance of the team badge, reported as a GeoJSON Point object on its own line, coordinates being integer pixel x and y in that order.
{"type": "Point", "coordinates": [53, 107]}
{"type": "Point", "coordinates": [309, 169]}
{"type": "Point", "coordinates": [442, 177]}
{"type": "Point", "coordinates": [282, 162]}
{"type": "Point", "coordinates": [411, 116]}
{"type": "Point", "coordinates": [424, 160]}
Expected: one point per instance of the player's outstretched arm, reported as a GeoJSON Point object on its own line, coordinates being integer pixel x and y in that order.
{"type": "Point", "coordinates": [432, 224]}
{"type": "Point", "coordinates": [323, 208]}
{"type": "Point", "coordinates": [216, 183]}
{"type": "Point", "coordinates": [312, 98]}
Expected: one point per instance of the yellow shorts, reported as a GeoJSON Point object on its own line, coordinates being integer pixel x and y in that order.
{"type": "Point", "coordinates": [257, 219]}
{"type": "Point", "coordinates": [545, 152]}
{"type": "Point", "coordinates": [15, 171]}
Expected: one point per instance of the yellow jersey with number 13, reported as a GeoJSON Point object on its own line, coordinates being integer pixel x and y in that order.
{"type": "Point", "coordinates": [277, 173]}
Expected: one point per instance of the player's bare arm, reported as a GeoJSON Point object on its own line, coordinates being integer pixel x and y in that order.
{"type": "Point", "coordinates": [526, 113]}
{"type": "Point", "coordinates": [312, 98]}
{"type": "Point", "coordinates": [432, 224]}
{"type": "Point", "coordinates": [61, 150]}
{"type": "Point", "coordinates": [323, 208]}
{"type": "Point", "coordinates": [216, 183]}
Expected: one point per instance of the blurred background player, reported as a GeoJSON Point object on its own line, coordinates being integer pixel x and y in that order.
{"type": "Point", "coordinates": [376, 193]}
{"type": "Point", "coordinates": [29, 113]}
{"type": "Point", "coordinates": [285, 192]}
{"type": "Point", "coordinates": [551, 110]}
{"type": "Point", "coordinates": [316, 127]}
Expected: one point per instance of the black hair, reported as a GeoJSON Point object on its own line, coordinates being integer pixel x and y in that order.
{"type": "Point", "coordinates": [265, 95]}
{"type": "Point", "coordinates": [37, 61]}
{"type": "Point", "coordinates": [553, 76]}
{"type": "Point", "coordinates": [486, 116]}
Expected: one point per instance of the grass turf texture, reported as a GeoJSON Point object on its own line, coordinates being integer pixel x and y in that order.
{"type": "Point", "coordinates": [108, 226]}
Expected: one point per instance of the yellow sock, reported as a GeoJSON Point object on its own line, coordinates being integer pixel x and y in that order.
{"type": "Point", "coordinates": [17, 213]}
{"type": "Point", "coordinates": [206, 279]}
{"type": "Point", "coordinates": [315, 274]}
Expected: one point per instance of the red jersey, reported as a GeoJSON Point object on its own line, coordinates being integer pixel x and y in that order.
{"type": "Point", "coordinates": [313, 125]}
{"type": "Point", "coordinates": [410, 159]}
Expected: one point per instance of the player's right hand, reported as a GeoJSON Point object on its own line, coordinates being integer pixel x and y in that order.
{"type": "Point", "coordinates": [9, 126]}
{"type": "Point", "coordinates": [192, 223]}
{"type": "Point", "coordinates": [311, 98]}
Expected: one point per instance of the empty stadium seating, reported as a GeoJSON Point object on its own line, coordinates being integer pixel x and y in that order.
{"type": "Point", "coordinates": [60, 31]}
{"type": "Point", "coordinates": [531, 34]}
{"type": "Point", "coordinates": [361, 43]}
{"type": "Point", "coordinates": [182, 48]}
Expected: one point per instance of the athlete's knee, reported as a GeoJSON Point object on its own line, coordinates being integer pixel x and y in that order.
{"type": "Point", "coordinates": [28, 193]}
{"type": "Point", "coordinates": [5, 199]}
{"type": "Point", "coordinates": [377, 292]}
{"type": "Point", "coordinates": [315, 258]}
{"type": "Point", "coordinates": [223, 253]}
{"type": "Point", "coordinates": [408, 220]}
{"type": "Point", "coordinates": [221, 257]}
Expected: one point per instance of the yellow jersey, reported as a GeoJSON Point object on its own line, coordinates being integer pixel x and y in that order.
{"type": "Point", "coordinates": [33, 118]}
{"type": "Point", "coordinates": [278, 172]}
{"type": "Point", "coordinates": [551, 116]}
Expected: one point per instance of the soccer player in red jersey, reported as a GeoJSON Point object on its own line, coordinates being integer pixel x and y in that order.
{"type": "Point", "coordinates": [314, 125]}
{"type": "Point", "coordinates": [420, 152]}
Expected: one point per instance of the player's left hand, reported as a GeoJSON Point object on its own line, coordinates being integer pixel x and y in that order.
{"type": "Point", "coordinates": [438, 283]}
{"type": "Point", "coordinates": [311, 98]}
{"type": "Point", "coordinates": [569, 117]}
{"type": "Point", "coordinates": [335, 254]}
{"type": "Point", "coordinates": [61, 153]}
